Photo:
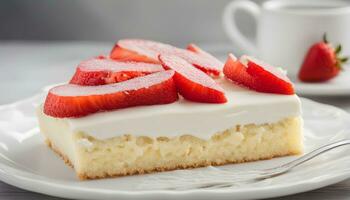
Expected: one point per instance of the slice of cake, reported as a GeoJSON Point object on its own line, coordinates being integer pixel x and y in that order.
{"type": "Point", "coordinates": [141, 125]}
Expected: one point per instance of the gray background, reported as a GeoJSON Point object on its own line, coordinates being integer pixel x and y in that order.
{"type": "Point", "coordinates": [174, 21]}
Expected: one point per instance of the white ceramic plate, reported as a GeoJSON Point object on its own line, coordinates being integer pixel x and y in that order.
{"type": "Point", "coordinates": [27, 163]}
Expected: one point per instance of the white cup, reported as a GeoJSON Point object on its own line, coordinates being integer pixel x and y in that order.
{"type": "Point", "coordinates": [286, 29]}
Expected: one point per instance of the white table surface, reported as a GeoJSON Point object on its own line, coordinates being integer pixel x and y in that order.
{"type": "Point", "coordinates": [26, 67]}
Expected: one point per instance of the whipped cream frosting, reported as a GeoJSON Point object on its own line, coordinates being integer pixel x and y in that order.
{"type": "Point", "coordinates": [184, 117]}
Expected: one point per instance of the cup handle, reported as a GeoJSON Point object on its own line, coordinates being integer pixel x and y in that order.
{"type": "Point", "coordinates": [244, 44]}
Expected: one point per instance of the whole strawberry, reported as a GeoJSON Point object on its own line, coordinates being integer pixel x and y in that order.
{"type": "Point", "coordinates": [322, 62]}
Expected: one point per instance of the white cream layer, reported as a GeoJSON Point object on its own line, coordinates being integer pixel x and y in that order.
{"type": "Point", "coordinates": [184, 117]}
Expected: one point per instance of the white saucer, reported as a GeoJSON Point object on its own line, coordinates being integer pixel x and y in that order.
{"type": "Point", "coordinates": [26, 162]}
{"type": "Point", "coordinates": [339, 86]}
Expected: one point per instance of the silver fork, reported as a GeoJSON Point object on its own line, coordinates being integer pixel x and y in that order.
{"type": "Point", "coordinates": [259, 175]}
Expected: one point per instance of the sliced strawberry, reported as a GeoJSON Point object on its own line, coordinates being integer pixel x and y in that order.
{"type": "Point", "coordinates": [194, 48]}
{"type": "Point", "coordinates": [192, 83]}
{"type": "Point", "coordinates": [267, 78]}
{"type": "Point", "coordinates": [148, 51]}
{"type": "Point", "coordinates": [72, 100]}
{"type": "Point", "coordinates": [204, 63]}
{"type": "Point", "coordinates": [105, 71]}
{"type": "Point", "coordinates": [123, 54]}
{"type": "Point", "coordinates": [237, 72]}
{"type": "Point", "coordinates": [257, 75]}
{"type": "Point", "coordinates": [102, 57]}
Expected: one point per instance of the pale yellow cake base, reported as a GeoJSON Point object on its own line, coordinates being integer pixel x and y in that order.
{"type": "Point", "coordinates": [127, 155]}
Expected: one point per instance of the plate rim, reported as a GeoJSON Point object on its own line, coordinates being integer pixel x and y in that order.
{"type": "Point", "coordinates": [49, 186]}
{"type": "Point", "coordinates": [326, 92]}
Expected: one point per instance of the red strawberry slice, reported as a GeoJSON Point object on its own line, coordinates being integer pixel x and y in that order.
{"type": "Point", "coordinates": [203, 63]}
{"type": "Point", "coordinates": [237, 72]}
{"type": "Point", "coordinates": [192, 83]}
{"type": "Point", "coordinates": [105, 71]}
{"type": "Point", "coordinates": [267, 78]}
{"type": "Point", "coordinates": [102, 57]}
{"type": "Point", "coordinates": [148, 51]}
{"type": "Point", "coordinates": [72, 100]}
{"type": "Point", "coordinates": [123, 54]}
{"type": "Point", "coordinates": [194, 48]}
{"type": "Point", "coordinates": [257, 75]}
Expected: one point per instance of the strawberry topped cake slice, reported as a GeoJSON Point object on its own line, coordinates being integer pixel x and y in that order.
{"type": "Point", "coordinates": [153, 107]}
